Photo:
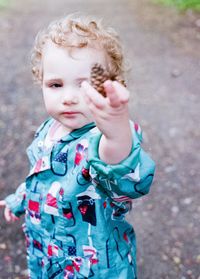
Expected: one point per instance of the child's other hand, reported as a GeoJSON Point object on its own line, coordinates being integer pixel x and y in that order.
{"type": "Point", "coordinates": [110, 113]}
{"type": "Point", "coordinates": [9, 216]}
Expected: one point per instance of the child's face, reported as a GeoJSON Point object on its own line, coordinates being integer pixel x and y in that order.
{"type": "Point", "coordinates": [63, 73]}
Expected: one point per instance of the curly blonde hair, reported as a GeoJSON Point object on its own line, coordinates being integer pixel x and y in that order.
{"type": "Point", "coordinates": [78, 31]}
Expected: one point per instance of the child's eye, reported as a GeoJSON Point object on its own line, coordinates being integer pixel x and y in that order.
{"type": "Point", "coordinates": [79, 83]}
{"type": "Point", "coordinates": [55, 85]}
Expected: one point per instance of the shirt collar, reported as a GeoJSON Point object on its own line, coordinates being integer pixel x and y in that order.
{"type": "Point", "coordinates": [77, 133]}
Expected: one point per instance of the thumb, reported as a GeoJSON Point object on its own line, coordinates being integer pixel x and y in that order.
{"type": "Point", "coordinates": [2, 203]}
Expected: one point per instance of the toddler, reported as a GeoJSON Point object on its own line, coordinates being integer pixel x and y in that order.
{"type": "Point", "coordinates": [86, 161]}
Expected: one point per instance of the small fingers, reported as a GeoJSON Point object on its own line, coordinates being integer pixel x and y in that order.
{"type": "Point", "coordinates": [92, 96]}
{"type": "Point", "coordinates": [122, 91]}
{"type": "Point", "coordinates": [111, 94]}
{"type": "Point", "coordinates": [116, 93]}
{"type": "Point", "coordinates": [2, 203]}
{"type": "Point", "coordinates": [9, 216]}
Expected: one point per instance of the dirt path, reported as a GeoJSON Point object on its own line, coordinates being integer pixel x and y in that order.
{"type": "Point", "coordinates": [163, 48]}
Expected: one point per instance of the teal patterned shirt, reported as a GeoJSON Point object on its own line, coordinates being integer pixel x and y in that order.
{"type": "Point", "coordinates": [75, 206]}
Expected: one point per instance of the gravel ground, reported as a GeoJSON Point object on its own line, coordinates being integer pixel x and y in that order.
{"type": "Point", "coordinates": [163, 48]}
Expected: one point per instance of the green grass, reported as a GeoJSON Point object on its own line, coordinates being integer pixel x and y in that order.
{"type": "Point", "coordinates": [3, 3]}
{"type": "Point", "coordinates": [182, 4]}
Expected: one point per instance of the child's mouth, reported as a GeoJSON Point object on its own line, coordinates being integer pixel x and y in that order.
{"type": "Point", "coordinates": [70, 113]}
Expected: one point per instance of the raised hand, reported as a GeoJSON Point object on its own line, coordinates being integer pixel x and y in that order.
{"type": "Point", "coordinates": [112, 118]}
{"type": "Point", "coordinates": [112, 108]}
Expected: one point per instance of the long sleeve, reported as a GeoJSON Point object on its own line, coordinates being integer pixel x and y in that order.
{"type": "Point", "coordinates": [15, 202]}
{"type": "Point", "coordinates": [132, 177]}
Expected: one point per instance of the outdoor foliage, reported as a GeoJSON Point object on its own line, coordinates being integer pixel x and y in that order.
{"type": "Point", "coordinates": [182, 4]}
{"type": "Point", "coordinates": [3, 3]}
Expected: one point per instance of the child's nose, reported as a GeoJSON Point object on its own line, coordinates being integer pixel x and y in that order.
{"type": "Point", "coordinates": [70, 96]}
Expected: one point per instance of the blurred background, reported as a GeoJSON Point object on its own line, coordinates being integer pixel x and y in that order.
{"type": "Point", "coordinates": [162, 43]}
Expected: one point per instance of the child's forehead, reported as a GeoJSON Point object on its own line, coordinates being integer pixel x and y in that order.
{"type": "Point", "coordinates": [61, 61]}
{"type": "Point", "coordinates": [52, 51]}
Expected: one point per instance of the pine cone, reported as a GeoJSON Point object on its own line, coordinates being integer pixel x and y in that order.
{"type": "Point", "coordinates": [99, 75]}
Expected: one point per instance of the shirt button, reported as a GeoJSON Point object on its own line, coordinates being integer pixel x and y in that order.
{"type": "Point", "coordinates": [40, 144]}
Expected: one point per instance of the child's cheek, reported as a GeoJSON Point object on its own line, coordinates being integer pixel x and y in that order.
{"type": "Point", "coordinates": [50, 102]}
